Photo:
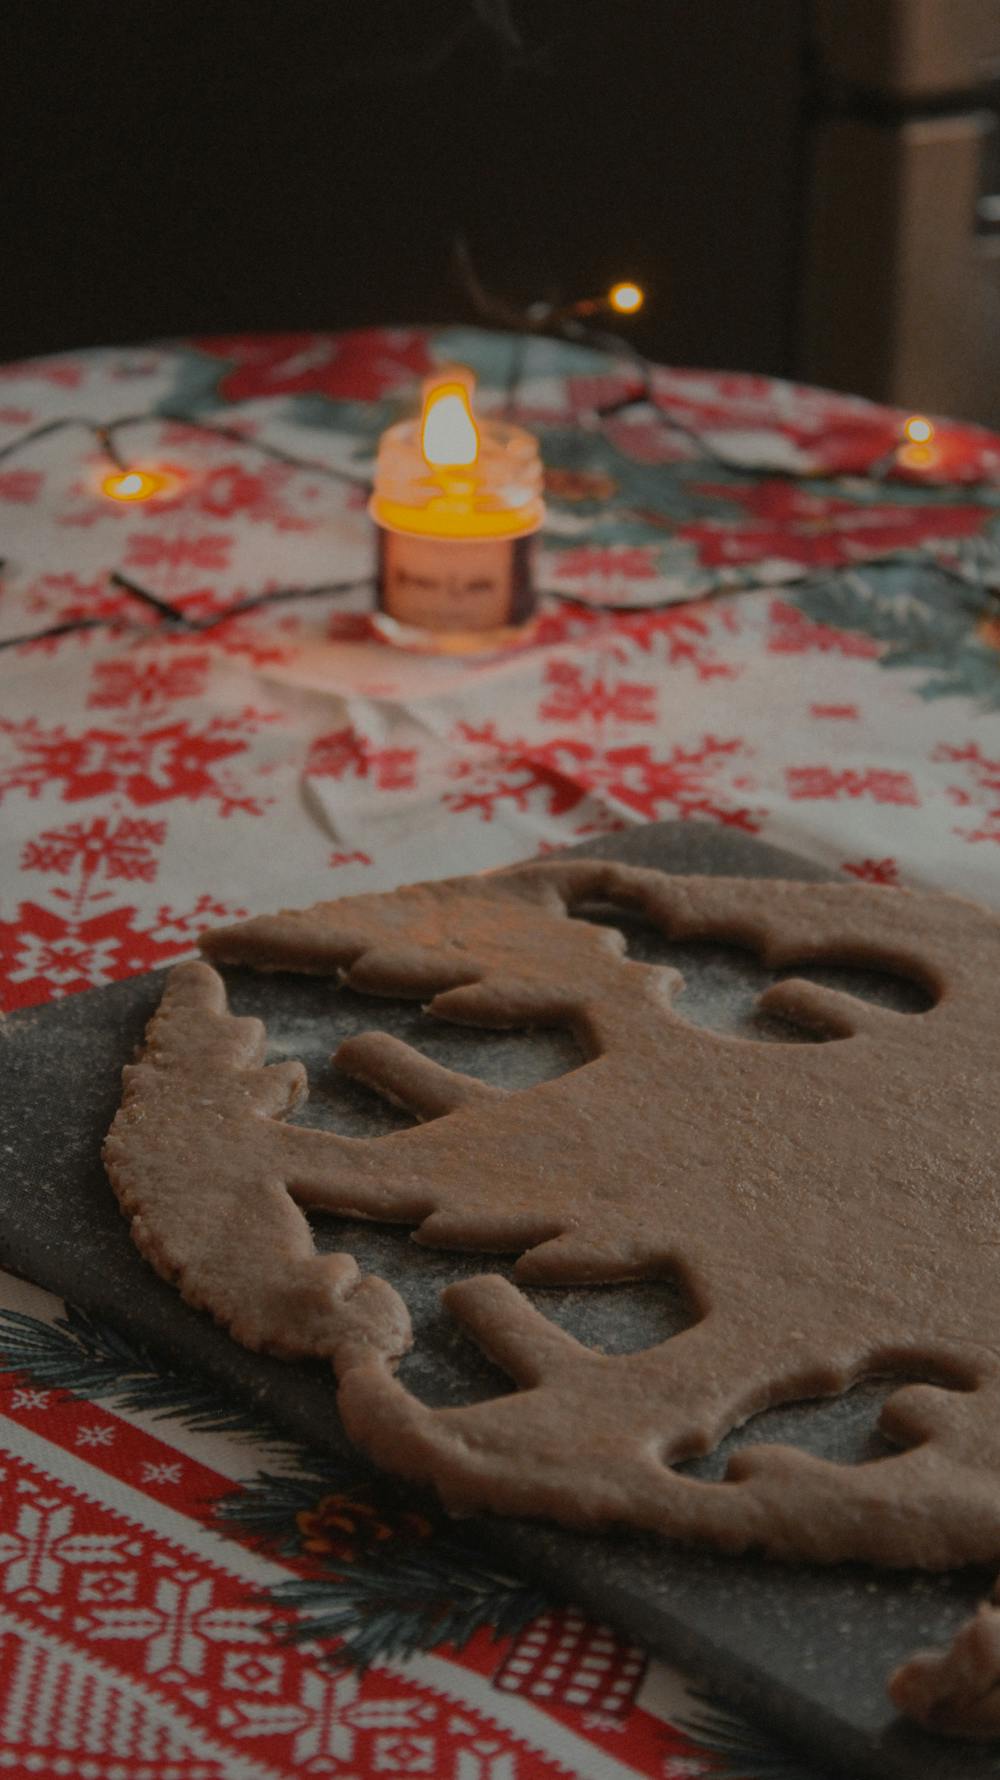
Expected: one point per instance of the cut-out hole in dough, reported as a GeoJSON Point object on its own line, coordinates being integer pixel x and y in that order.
{"type": "Point", "coordinates": [723, 983]}
{"type": "Point", "coordinates": [617, 1319]}
{"type": "Point", "coordinates": [842, 1429]}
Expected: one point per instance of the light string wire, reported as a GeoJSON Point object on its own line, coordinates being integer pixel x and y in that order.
{"type": "Point", "coordinates": [542, 318]}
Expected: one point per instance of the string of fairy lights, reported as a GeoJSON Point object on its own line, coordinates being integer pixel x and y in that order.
{"type": "Point", "coordinates": [581, 322]}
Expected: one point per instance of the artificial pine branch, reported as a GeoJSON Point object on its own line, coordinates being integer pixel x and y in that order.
{"type": "Point", "coordinates": [741, 1750]}
{"type": "Point", "coordinates": [85, 1358]}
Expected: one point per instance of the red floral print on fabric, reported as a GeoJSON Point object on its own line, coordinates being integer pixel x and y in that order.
{"type": "Point", "coordinates": [877, 783]}
{"type": "Point", "coordinates": [981, 792]}
{"type": "Point", "coordinates": [172, 760]}
{"type": "Point", "coordinates": [360, 366]}
{"type": "Point", "coordinates": [787, 521]}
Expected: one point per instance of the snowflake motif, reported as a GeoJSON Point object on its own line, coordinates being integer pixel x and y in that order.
{"type": "Point", "coordinates": [873, 871]}
{"type": "Point", "coordinates": [360, 366]}
{"type": "Point", "coordinates": [794, 633]}
{"type": "Point", "coordinates": [337, 859]}
{"type": "Point", "coordinates": [95, 1435]}
{"type": "Point", "coordinates": [162, 1472]}
{"type": "Point", "coordinates": [178, 1626]}
{"type": "Point", "coordinates": [58, 371]}
{"type": "Point", "coordinates": [29, 1399]}
{"type": "Point", "coordinates": [984, 796]}
{"type": "Point", "coordinates": [343, 752]}
{"type": "Point", "coordinates": [153, 550]}
{"type": "Point", "coordinates": [20, 487]}
{"type": "Point", "coordinates": [64, 964]}
{"type": "Point", "coordinates": [835, 713]}
{"type": "Point", "coordinates": [562, 772]}
{"type": "Point", "coordinates": [606, 564]}
{"type": "Point", "coordinates": [38, 1542]}
{"type": "Point", "coordinates": [122, 849]}
{"type": "Point", "coordinates": [572, 698]}
{"type": "Point", "coordinates": [267, 494]}
{"type": "Point", "coordinates": [141, 684]}
{"type": "Point", "coordinates": [66, 599]}
{"type": "Point", "coordinates": [45, 954]}
{"type": "Point", "coordinates": [874, 782]}
{"type": "Point", "coordinates": [172, 760]}
{"type": "Point", "coordinates": [681, 635]}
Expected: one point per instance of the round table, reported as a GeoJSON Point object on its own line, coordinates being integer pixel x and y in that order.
{"type": "Point", "coordinates": [762, 610]}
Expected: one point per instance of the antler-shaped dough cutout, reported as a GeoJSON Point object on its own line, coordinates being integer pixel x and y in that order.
{"type": "Point", "coordinates": [201, 1165]}
{"type": "Point", "coordinates": [832, 1210]}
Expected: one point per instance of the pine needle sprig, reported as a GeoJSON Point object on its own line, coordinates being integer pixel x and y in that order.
{"type": "Point", "coordinates": [397, 1605]}
{"type": "Point", "coordinates": [86, 1358]}
{"type": "Point", "coordinates": [741, 1750]}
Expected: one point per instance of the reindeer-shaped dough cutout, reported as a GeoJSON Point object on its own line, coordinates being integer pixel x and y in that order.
{"type": "Point", "coordinates": [831, 1210]}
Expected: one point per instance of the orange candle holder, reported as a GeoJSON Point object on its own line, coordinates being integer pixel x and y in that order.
{"type": "Point", "coordinates": [456, 505]}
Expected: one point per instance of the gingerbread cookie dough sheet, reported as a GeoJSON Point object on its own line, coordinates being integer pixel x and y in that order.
{"type": "Point", "coordinates": [807, 1648]}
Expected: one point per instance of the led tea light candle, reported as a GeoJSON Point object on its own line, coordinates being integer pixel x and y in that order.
{"type": "Point", "coordinates": [456, 504]}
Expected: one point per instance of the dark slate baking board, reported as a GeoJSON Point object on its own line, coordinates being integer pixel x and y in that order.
{"type": "Point", "coordinates": [804, 1649]}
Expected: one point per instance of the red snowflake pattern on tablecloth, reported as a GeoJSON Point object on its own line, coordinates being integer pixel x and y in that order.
{"type": "Point", "coordinates": [614, 564]}
{"type": "Point", "coordinates": [795, 634]}
{"type": "Point", "coordinates": [124, 848]}
{"type": "Point", "coordinates": [679, 636]}
{"type": "Point", "coordinates": [787, 520]}
{"type": "Point", "coordinates": [982, 796]}
{"type": "Point", "coordinates": [66, 598]}
{"type": "Point", "coordinates": [179, 1661]}
{"type": "Point", "coordinates": [125, 683]}
{"type": "Point", "coordinates": [361, 366]}
{"type": "Point", "coordinates": [560, 773]}
{"type": "Point", "coordinates": [344, 753]}
{"type": "Point", "coordinates": [873, 871]}
{"type": "Point", "coordinates": [835, 713]}
{"type": "Point", "coordinates": [158, 550]}
{"type": "Point", "coordinates": [271, 495]}
{"type": "Point", "coordinates": [878, 783]}
{"type": "Point", "coordinates": [59, 371]}
{"type": "Point", "coordinates": [20, 487]}
{"type": "Point", "coordinates": [172, 760]}
{"type": "Point", "coordinates": [574, 696]}
{"type": "Point", "coordinates": [45, 954]}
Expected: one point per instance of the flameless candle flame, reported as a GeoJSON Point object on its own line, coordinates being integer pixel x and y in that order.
{"type": "Point", "coordinates": [449, 437]}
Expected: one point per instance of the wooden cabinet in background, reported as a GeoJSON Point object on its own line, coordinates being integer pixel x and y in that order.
{"type": "Point", "coordinates": [900, 281]}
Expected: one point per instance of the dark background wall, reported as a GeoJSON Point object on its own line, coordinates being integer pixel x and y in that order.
{"type": "Point", "coordinates": [210, 166]}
